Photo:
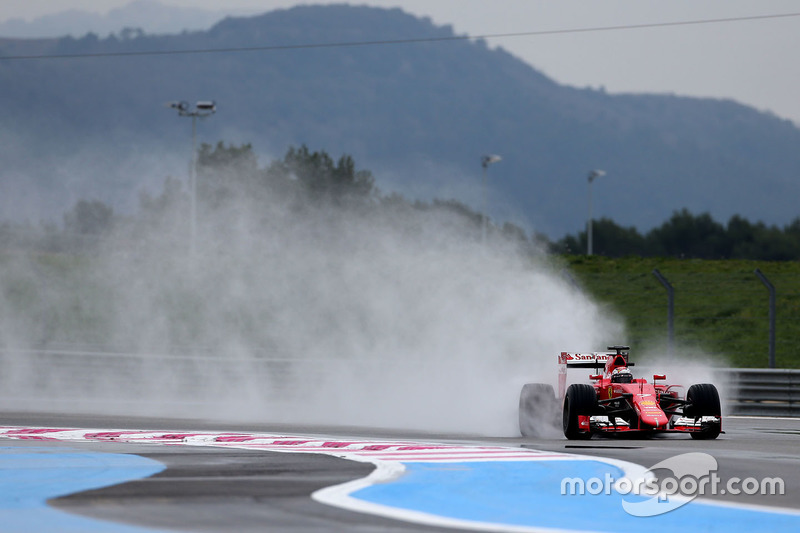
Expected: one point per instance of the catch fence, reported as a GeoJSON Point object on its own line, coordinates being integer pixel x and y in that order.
{"type": "Point", "coordinates": [736, 318]}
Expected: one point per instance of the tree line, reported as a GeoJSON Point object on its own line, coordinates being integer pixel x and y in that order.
{"type": "Point", "coordinates": [303, 183]}
{"type": "Point", "coordinates": [229, 178]}
{"type": "Point", "coordinates": [686, 235]}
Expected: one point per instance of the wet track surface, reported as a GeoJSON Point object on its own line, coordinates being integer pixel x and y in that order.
{"type": "Point", "coordinates": [208, 489]}
{"type": "Point", "coordinates": [750, 447]}
{"type": "Point", "coordinates": [229, 490]}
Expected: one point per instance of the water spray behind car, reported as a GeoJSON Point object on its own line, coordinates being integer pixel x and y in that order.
{"type": "Point", "coordinates": [297, 311]}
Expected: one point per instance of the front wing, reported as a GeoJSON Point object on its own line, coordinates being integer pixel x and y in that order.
{"type": "Point", "coordinates": [602, 424]}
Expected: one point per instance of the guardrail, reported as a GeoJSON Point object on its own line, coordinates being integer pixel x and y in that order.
{"type": "Point", "coordinates": [67, 380]}
{"type": "Point", "coordinates": [75, 376]}
{"type": "Point", "coordinates": [763, 392]}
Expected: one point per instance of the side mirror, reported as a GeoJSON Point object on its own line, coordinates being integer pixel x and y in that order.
{"type": "Point", "coordinates": [659, 376]}
{"type": "Point", "coordinates": [596, 376]}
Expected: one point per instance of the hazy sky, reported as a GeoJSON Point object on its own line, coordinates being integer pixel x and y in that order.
{"type": "Point", "coordinates": [753, 62]}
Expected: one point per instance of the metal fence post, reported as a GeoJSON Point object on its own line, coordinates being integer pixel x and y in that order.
{"type": "Point", "coordinates": [567, 276]}
{"type": "Point", "coordinates": [771, 289]}
{"type": "Point", "coordinates": [670, 311]}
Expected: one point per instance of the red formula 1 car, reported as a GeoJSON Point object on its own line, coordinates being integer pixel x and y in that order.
{"type": "Point", "coordinates": [617, 403]}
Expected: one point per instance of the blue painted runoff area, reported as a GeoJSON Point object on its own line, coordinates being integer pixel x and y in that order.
{"type": "Point", "coordinates": [30, 475]}
{"type": "Point", "coordinates": [528, 494]}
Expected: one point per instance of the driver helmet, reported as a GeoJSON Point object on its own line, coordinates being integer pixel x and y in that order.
{"type": "Point", "coordinates": [621, 375]}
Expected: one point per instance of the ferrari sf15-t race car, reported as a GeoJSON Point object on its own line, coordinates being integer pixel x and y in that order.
{"type": "Point", "coordinates": [617, 403]}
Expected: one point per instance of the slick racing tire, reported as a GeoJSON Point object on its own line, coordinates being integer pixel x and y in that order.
{"type": "Point", "coordinates": [703, 400]}
{"type": "Point", "coordinates": [538, 408]}
{"type": "Point", "coordinates": [580, 400]}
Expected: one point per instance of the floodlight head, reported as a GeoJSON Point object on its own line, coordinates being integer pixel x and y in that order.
{"type": "Point", "coordinates": [594, 174]}
{"type": "Point", "coordinates": [207, 105]}
{"type": "Point", "coordinates": [181, 106]}
{"type": "Point", "coordinates": [489, 159]}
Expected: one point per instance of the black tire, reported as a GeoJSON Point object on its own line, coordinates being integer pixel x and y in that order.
{"type": "Point", "coordinates": [538, 408]}
{"type": "Point", "coordinates": [703, 400]}
{"type": "Point", "coordinates": [580, 400]}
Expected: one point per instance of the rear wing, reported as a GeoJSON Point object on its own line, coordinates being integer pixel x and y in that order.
{"type": "Point", "coordinates": [584, 360]}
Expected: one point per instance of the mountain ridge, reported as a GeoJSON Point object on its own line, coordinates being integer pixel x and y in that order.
{"type": "Point", "coordinates": [151, 16]}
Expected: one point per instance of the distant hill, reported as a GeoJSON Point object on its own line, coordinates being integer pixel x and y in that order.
{"type": "Point", "coordinates": [149, 15]}
{"type": "Point", "coordinates": [419, 115]}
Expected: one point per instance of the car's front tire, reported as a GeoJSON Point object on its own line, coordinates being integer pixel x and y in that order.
{"type": "Point", "coordinates": [580, 400]}
{"type": "Point", "coordinates": [703, 400]}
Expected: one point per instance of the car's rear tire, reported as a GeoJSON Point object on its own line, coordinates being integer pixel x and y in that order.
{"type": "Point", "coordinates": [703, 400]}
{"type": "Point", "coordinates": [580, 400]}
{"type": "Point", "coordinates": [538, 408]}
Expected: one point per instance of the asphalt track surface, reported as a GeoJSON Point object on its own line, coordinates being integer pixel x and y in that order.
{"type": "Point", "coordinates": [207, 489]}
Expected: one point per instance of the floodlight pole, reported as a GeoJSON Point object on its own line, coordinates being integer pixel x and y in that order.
{"type": "Point", "coordinates": [201, 109]}
{"type": "Point", "coordinates": [485, 162]}
{"type": "Point", "coordinates": [193, 189]}
{"type": "Point", "coordinates": [593, 175]}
